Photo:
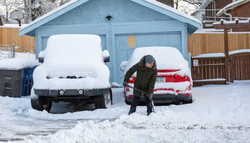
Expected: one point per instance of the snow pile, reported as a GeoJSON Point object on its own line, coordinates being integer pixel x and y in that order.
{"type": "Point", "coordinates": [218, 114]}
{"type": "Point", "coordinates": [166, 58]}
{"type": "Point", "coordinates": [20, 61]}
{"type": "Point", "coordinates": [78, 56]}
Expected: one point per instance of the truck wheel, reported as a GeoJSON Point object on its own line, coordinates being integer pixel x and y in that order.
{"type": "Point", "coordinates": [39, 105]}
{"type": "Point", "coordinates": [36, 104]}
{"type": "Point", "coordinates": [103, 101]}
{"type": "Point", "coordinates": [47, 105]}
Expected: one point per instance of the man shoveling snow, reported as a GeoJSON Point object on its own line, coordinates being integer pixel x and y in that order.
{"type": "Point", "coordinates": [144, 82]}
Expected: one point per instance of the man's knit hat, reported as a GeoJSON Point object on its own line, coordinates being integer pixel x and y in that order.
{"type": "Point", "coordinates": [149, 59]}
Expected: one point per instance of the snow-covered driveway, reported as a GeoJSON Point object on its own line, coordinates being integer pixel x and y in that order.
{"type": "Point", "coordinates": [220, 113]}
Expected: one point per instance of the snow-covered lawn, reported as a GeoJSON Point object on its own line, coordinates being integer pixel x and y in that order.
{"type": "Point", "coordinates": [220, 113]}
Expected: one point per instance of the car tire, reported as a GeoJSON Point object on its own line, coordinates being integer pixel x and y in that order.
{"type": "Point", "coordinates": [39, 105]}
{"type": "Point", "coordinates": [187, 101]}
{"type": "Point", "coordinates": [127, 101]}
{"type": "Point", "coordinates": [103, 101]}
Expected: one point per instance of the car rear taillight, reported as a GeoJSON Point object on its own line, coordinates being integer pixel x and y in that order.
{"type": "Point", "coordinates": [178, 76]}
{"type": "Point", "coordinates": [181, 78]}
{"type": "Point", "coordinates": [132, 79]}
{"type": "Point", "coordinates": [170, 76]}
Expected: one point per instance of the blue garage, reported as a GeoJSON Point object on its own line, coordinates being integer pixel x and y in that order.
{"type": "Point", "coordinates": [122, 24]}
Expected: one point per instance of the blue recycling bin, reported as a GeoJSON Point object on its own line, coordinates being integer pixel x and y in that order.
{"type": "Point", "coordinates": [27, 80]}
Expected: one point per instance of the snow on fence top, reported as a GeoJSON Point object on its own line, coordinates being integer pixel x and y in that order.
{"type": "Point", "coordinates": [21, 60]}
{"type": "Point", "coordinates": [13, 26]}
{"type": "Point", "coordinates": [213, 55]}
{"type": "Point", "coordinates": [232, 22]}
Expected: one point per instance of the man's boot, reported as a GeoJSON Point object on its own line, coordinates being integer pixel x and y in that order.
{"type": "Point", "coordinates": [148, 113]}
{"type": "Point", "coordinates": [130, 112]}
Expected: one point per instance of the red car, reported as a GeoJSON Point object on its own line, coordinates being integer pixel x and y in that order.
{"type": "Point", "coordinates": [173, 83]}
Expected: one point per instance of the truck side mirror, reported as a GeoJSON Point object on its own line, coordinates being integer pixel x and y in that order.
{"type": "Point", "coordinates": [106, 56]}
{"type": "Point", "coordinates": [41, 57]}
{"type": "Point", "coordinates": [123, 65]}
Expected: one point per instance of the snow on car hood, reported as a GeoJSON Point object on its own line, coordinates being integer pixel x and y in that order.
{"type": "Point", "coordinates": [166, 58]}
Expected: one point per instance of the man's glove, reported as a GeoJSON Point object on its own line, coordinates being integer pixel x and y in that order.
{"type": "Point", "coordinates": [125, 84]}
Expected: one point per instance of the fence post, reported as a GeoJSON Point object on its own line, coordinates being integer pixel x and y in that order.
{"type": "Point", "coordinates": [231, 69]}
{"type": "Point", "coordinates": [226, 54]}
{"type": "Point", "coordinates": [14, 51]}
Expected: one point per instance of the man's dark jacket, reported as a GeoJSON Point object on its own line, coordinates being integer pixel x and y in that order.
{"type": "Point", "coordinates": [145, 77]}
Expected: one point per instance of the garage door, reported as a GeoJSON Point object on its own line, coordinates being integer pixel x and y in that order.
{"type": "Point", "coordinates": [125, 44]}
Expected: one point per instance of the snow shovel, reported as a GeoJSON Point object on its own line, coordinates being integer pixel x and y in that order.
{"type": "Point", "coordinates": [151, 100]}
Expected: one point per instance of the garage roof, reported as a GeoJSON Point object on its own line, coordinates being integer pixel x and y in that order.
{"type": "Point", "coordinates": [193, 23]}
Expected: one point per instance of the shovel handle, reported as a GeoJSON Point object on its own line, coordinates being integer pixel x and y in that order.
{"type": "Point", "coordinates": [136, 89]}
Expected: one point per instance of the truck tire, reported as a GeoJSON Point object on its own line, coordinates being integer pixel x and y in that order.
{"type": "Point", "coordinates": [37, 104]}
{"type": "Point", "coordinates": [47, 106]}
{"type": "Point", "coordinates": [103, 101]}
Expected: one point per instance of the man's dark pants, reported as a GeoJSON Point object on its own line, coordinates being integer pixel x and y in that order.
{"type": "Point", "coordinates": [135, 102]}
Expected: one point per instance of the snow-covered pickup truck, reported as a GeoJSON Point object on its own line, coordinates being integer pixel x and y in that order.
{"type": "Point", "coordinates": [174, 81]}
{"type": "Point", "coordinates": [73, 70]}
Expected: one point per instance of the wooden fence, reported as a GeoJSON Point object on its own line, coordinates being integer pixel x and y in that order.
{"type": "Point", "coordinates": [211, 70]}
{"type": "Point", "coordinates": [10, 36]}
{"type": "Point", "coordinates": [202, 43]}
{"type": "Point", "coordinates": [240, 66]}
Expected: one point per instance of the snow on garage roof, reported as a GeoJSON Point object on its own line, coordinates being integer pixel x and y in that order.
{"type": "Point", "coordinates": [193, 23]}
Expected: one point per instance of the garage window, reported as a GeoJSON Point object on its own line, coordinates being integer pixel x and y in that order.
{"type": "Point", "coordinates": [131, 41]}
